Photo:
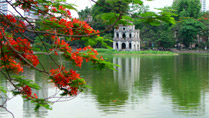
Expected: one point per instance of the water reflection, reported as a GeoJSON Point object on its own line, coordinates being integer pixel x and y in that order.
{"type": "Point", "coordinates": [182, 80]}
{"type": "Point", "coordinates": [41, 80]}
{"type": "Point", "coordinates": [147, 87]}
{"type": "Point", "coordinates": [112, 88]}
{"type": "Point", "coordinates": [3, 97]}
{"type": "Point", "coordinates": [127, 73]}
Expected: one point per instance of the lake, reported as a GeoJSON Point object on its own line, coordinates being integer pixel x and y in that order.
{"type": "Point", "coordinates": [142, 87]}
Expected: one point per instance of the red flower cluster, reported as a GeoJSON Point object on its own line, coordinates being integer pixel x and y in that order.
{"type": "Point", "coordinates": [91, 55]}
{"type": "Point", "coordinates": [10, 18]}
{"type": "Point", "coordinates": [67, 25]}
{"type": "Point", "coordinates": [54, 9]}
{"type": "Point", "coordinates": [78, 60]}
{"type": "Point", "coordinates": [64, 47]}
{"type": "Point", "coordinates": [65, 79]}
{"type": "Point", "coordinates": [16, 52]}
{"type": "Point", "coordinates": [10, 64]}
{"type": "Point", "coordinates": [26, 90]}
{"type": "Point", "coordinates": [14, 49]}
{"type": "Point", "coordinates": [75, 56]}
{"type": "Point", "coordinates": [18, 24]}
{"type": "Point", "coordinates": [82, 28]}
{"type": "Point", "coordinates": [2, 32]}
{"type": "Point", "coordinates": [74, 27]}
{"type": "Point", "coordinates": [23, 46]}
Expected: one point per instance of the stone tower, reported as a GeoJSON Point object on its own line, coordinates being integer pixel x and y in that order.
{"type": "Point", "coordinates": [126, 38]}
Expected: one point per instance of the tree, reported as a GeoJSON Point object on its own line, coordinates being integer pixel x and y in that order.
{"type": "Point", "coordinates": [165, 36]}
{"type": "Point", "coordinates": [204, 34]}
{"type": "Point", "coordinates": [165, 39]}
{"type": "Point", "coordinates": [84, 14]}
{"type": "Point", "coordinates": [55, 30]}
{"type": "Point", "coordinates": [188, 28]}
{"type": "Point", "coordinates": [137, 14]}
{"type": "Point", "coordinates": [187, 8]}
{"type": "Point", "coordinates": [158, 34]}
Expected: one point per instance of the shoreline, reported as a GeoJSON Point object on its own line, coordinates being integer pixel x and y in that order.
{"type": "Point", "coordinates": [190, 51]}
{"type": "Point", "coordinates": [145, 52]}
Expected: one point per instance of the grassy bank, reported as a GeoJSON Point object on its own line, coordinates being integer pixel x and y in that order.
{"type": "Point", "coordinates": [146, 52]}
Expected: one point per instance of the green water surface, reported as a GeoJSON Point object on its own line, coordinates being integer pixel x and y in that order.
{"type": "Point", "coordinates": [142, 87]}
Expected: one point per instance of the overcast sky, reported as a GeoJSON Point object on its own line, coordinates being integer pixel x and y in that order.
{"type": "Point", "coordinates": [153, 4]}
{"type": "Point", "coordinates": [158, 3]}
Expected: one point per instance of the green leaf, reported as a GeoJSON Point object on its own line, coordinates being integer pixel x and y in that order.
{"type": "Point", "coordinates": [2, 89]}
{"type": "Point", "coordinates": [41, 103]}
{"type": "Point", "coordinates": [109, 18]}
{"type": "Point", "coordinates": [156, 19]}
{"type": "Point", "coordinates": [16, 92]}
{"type": "Point", "coordinates": [22, 82]}
{"type": "Point", "coordinates": [47, 106]}
{"type": "Point", "coordinates": [137, 2]}
{"type": "Point", "coordinates": [37, 107]}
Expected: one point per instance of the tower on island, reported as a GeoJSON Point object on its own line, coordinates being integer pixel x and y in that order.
{"type": "Point", "coordinates": [126, 38]}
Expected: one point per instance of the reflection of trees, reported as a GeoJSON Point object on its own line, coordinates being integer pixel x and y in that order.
{"type": "Point", "coordinates": [148, 73]}
{"type": "Point", "coordinates": [107, 90]}
{"type": "Point", "coordinates": [112, 88]}
{"type": "Point", "coordinates": [182, 79]}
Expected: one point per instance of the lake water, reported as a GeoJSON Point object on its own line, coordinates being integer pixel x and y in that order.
{"type": "Point", "coordinates": [142, 87]}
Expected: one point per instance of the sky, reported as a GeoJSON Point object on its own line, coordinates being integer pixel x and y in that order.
{"type": "Point", "coordinates": [158, 4]}
{"type": "Point", "coordinates": [81, 4]}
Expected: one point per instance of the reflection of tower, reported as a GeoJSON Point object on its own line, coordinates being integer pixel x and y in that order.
{"type": "Point", "coordinates": [3, 96]}
{"type": "Point", "coordinates": [28, 107]}
{"type": "Point", "coordinates": [126, 38]}
{"type": "Point", "coordinates": [128, 72]}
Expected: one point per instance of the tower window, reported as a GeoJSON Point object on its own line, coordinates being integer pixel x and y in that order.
{"type": "Point", "coordinates": [123, 46]}
{"type": "Point", "coordinates": [124, 35]}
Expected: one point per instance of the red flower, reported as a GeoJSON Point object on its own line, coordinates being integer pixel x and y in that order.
{"type": "Point", "coordinates": [54, 9]}
{"type": "Point", "coordinates": [27, 91]}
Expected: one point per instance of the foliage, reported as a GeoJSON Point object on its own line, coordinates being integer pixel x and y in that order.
{"type": "Point", "coordinates": [156, 36]}
{"type": "Point", "coordinates": [157, 18]}
{"type": "Point", "coordinates": [135, 10]}
{"type": "Point", "coordinates": [55, 30]}
{"type": "Point", "coordinates": [38, 45]}
{"type": "Point", "coordinates": [154, 32]}
{"type": "Point", "coordinates": [187, 8]}
{"type": "Point", "coordinates": [188, 22]}
{"type": "Point", "coordinates": [165, 39]}
{"type": "Point", "coordinates": [188, 29]}
{"type": "Point", "coordinates": [137, 14]}
{"type": "Point", "coordinates": [147, 52]}
{"type": "Point", "coordinates": [56, 34]}
{"type": "Point", "coordinates": [84, 14]}
{"type": "Point", "coordinates": [204, 19]}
